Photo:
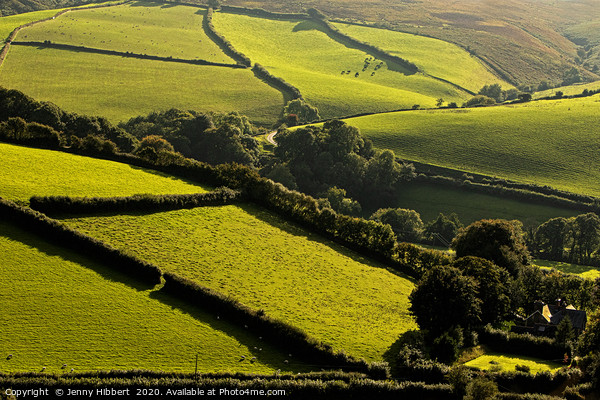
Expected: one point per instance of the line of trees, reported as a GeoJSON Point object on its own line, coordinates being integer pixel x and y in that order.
{"type": "Point", "coordinates": [85, 49]}
{"type": "Point", "coordinates": [239, 385]}
{"type": "Point", "coordinates": [223, 43]}
{"type": "Point", "coordinates": [57, 232]}
{"type": "Point", "coordinates": [140, 202]}
{"type": "Point", "coordinates": [574, 240]}
{"type": "Point", "coordinates": [290, 91]}
{"type": "Point", "coordinates": [321, 18]}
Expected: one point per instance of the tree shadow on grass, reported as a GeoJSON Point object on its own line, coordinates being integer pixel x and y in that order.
{"type": "Point", "coordinates": [149, 3]}
{"type": "Point", "coordinates": [311, 25]}
{"type": "Point", "coordinates": [392, 353]}
{"type": "Point", "coordinates": [171, 177]}
{"type": "Point", "coordinates": [271, 355]}
{"type": "Point", "coordinates": [18, 234]}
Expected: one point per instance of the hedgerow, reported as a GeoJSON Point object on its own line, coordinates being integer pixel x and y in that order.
{"type": "Point", "coordinates": [56, 232]}
{"type": "Point", "coordinates": [223, 43]}
{"type": "Point", "coordinates": [145, 202]}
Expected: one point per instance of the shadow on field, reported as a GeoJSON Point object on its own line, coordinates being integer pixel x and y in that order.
{"type": "Point", "coordinates": [310, 25]}
{"type": "Point", "coordinates": [147, 4]}
{"type": "Point", "coordinates": [391, 354]}
{"type": "Point", "coordinates": [270, 355]}
{"type": "Point", "coordinates": [15, 233]}
{"type": "Point", "coordinates": [170, 177]}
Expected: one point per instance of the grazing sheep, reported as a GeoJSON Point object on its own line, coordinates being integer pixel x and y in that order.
{"type": "Point", "coordinates": [72, 369]}
{"type": "Point", "coordinates": [43, 369]}
{"type": "Point", "coordinates": [242, 358]}
{"type": "Point", "coordinates": [9, 357]}
{"type": "Point", "coordinates": [64, 366]}
{"type": "Point", "coordinates": [253, 359]}
{"type": "Point", "coordinates": [286, 362]}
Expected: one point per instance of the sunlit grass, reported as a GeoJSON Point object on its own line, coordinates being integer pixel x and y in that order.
{"type": "Point", "coordinates": [59, 308]}
{"type": "Point", "coordinates": [335, 295]}
{"type": "Point", "coordinates": [30, 172]}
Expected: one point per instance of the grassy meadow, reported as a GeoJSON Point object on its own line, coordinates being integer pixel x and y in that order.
{"type": "Point", "coordinates": [10, 23]}
{"type": "Point", "coordinates": [584, 271]}
{"type": "Point", "coordinates": [61, 308]}
{"type": "Point", "coordinates": [316, 70]}
{"type": "Point", "coordinates": [335, 295]}
{"type": "Point", "coordinates": [120, 88]}
{"type": "Point", "coordinates": [568, 90]}
{"type": "Point", "coordinates": [27, 172]}
{"type": "Point", "coordinates": [507, 363]}
{"type": "Point", "coordinates": [435, 57]}
{"type": "Point", "coordinates": [551, 142]}
{"type": "Point", "coordinates": [138, 27]}
{"type": "Point", "coordinates": [430, 200]}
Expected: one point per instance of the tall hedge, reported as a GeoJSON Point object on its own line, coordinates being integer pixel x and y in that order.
{"type": "Point", "coordinates": [223, 43]}
{"type": "Point", "coordinates": [272, 330]}
{"type": "Point", "coordinates": [522, 344]}
{"type": "Point", "coordinates": [144, 202]}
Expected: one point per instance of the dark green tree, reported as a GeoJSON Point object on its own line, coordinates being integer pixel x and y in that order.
{"type": "Point", "coordinates": [493, 287]}
{"type": "Point", "coordinates": [497, 240]}
{"type": "Point", "coordinates": [494, 91]}
{"type": "Point", "coordinates": [481, 389]}
{"type": "Point", "coordinates": [589, 341]}
{"type": "Point", "coordinates": [445, 298]}
{"type": "Point", "coordinates": [550, 238]}
{"type": "Point", "coordinates": [446, 226]}
{"type": "Point", "coordinates": [406, 224]}
{"type": "Point", "coordinates": [565, 332]}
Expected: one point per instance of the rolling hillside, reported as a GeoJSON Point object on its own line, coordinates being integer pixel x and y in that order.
{"type": "Point", "coordinates": [59, 308]}
{"type": "Point", "coordinates": [27, 172]}
{"type": "Point", "coordinates": [171, 31]}
{"type": "Point", "coordinates": [545, 142]}
{"type": "Point", "coordinates": [330, 75]}
{"type": "Point", "coordinates": [522, 49]}
{"type": "Point", "coordinates": [265, 262]}
{"type": "Point", "coordinates": [120, 88]}
{"type": "Point", "coordinates": [435, 57]}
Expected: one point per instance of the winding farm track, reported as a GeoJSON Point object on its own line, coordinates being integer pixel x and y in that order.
{"type": "Point", "coordinates": [271, 138]}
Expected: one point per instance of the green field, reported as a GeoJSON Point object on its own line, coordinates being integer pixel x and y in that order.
{"type": "Point", "coordinates": [435, 57]}
{"type": "Point", "coordinates": [585, 271]}
{"type": "Point", "coordinates": [144, 28]}
{"type": "Point", "coordinates": [27, 172]}
{"type": "Point", "coordinates": [509, 362]}
{"type": "Point", "coordinates": [61, 308]}
{"type": "Point", "coordinates": [333, 294]}
{"type": "Point", "coordinates": [315, 69]}
{"type": "Point", "coordinates": [121, 88]}
{"type": "Point", "coordinates": [10, 23]}
{"type": "Point", "coordinates": [430, 200]}
{"type": "Point", "coordinates": [568, 90]}
{"type": "Point", "coordinates": [551, 142]}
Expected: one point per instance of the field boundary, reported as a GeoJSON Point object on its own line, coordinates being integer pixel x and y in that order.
{"type": "Point", "coordinates": [136, 203]}
{"type": "Point", "coordinates": [224, 44]}
{"type": "Point", "coordinates": [14, 33]}
{"type": "Point", "coordinates": [92, 50]}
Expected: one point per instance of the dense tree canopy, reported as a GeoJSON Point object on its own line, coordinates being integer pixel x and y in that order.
{"type": "Point", "coordinates": [337, 155]}
{"type": "Point", "coordinates": [213, 138]}
{"type": "Point", "coordinates": [493, 287]}
{"type": "Point", "coordinates": [499, 241]}
{"type": "Point", "coordinates": [445, 298]}
{"type": "Point", "coordinates": [406, 224]}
